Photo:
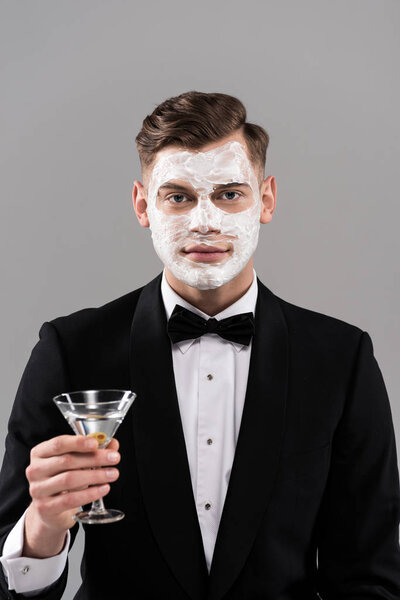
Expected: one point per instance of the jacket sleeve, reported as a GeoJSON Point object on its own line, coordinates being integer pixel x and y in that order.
{"type": "Point", "coordinates": [34, 418]}
{"type": "Point", "coordinates": [358, 549]}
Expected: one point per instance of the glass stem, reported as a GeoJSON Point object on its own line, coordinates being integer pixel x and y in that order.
{"type": "Point", "coordinates": [97, 507]}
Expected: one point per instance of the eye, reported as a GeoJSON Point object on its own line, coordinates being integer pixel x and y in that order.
{"type": "Point", "coordinates": [230, 192]}
{"type": "Point", "coordinates": [179, 198]}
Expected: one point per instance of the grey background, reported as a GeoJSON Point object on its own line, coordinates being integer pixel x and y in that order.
{"type": "Point", "coordinates": [78, 78]}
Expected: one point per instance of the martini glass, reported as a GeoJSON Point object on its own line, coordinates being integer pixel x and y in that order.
{"type": "Point", "coordinates": [97, 413]}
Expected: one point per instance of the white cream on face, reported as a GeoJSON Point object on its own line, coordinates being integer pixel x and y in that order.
{"type": "Point", "coordinates": [205, 223]}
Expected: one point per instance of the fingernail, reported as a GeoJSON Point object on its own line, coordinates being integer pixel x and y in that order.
{"type": "Point", "coordinates": [103, 489]}
{"type": "Point", "coordinates": [111, 473]}
{"type": "Point", "coordinates": [112, 456]}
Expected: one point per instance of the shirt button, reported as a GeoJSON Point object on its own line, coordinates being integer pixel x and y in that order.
{"type": "Point", "coordinates": [209, 441]}
{"type": "Point", "coordinates": [209, 376]}
{"type": "Point", "coordinates": [25, 570]}
{"type": "Point", "coordinates": [208, 506]}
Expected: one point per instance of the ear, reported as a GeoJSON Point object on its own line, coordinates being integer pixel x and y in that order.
{"type": "Point", "coordinates": [140, 203]}
{"type": "Point", "coordinates": [268, 199]}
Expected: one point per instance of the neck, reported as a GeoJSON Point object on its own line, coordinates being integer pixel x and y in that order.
{"type": "Point", "coordinates": [214, 301]}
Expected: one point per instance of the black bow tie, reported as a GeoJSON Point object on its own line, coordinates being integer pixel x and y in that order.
{"type": "Point", "coordinates": [184, 324]}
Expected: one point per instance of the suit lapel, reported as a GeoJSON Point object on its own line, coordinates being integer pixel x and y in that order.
{"type": "Point", "coordinates": [258, 446]}
{"type": "Point", "coordinates": [161, 452]}
{"type": "Point", "coordinates": [160, 446]}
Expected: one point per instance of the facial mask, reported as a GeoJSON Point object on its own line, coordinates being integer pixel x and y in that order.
{"type": "Point", "coordinates": [205, 221]}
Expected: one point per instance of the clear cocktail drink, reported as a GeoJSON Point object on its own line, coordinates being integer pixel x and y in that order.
{"type": "Point", "coordinates": [98, 413]}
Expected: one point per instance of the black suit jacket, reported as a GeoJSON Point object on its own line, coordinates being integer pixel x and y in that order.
{"type": "Point", "coordinates": [312, 507]}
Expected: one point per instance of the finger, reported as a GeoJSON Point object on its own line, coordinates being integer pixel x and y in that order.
{"type": "Point", "coordinates": [55, 505]}
{"type": "Point", "coordinates": [113, 445]}
{"type": "Point", "coordinates": [72, 481]}
{"type": "Point", "coordinates": [62, 444]}
{"type": "Point", "coordinates": [43, 468]}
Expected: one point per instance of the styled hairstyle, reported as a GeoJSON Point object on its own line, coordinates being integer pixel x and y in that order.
{"type": "Point", "coordinates": [194, 119]}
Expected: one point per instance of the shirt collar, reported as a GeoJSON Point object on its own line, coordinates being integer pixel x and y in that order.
{"type": "Point", "coordinates": [247, 303]}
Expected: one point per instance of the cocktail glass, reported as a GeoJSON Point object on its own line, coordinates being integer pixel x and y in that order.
{"type": "Point", "coordinates": [98, 413]}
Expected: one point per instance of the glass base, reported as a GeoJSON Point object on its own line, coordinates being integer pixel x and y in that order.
{"type": "Point", "coordinates": [91, 518]}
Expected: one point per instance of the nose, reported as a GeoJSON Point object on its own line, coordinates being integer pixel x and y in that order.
{"type": "Point", "coordinates": [205, 217]}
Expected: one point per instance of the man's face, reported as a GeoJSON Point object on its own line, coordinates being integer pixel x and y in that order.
{"type": "Point", "coordinates": [204, 212]}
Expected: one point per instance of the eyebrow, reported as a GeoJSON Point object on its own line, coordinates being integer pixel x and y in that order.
{"type": "Point", "coordinates": [183, 188]}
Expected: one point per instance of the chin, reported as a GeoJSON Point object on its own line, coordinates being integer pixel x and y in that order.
{"type": "Point", "coordinates": [202, 276]}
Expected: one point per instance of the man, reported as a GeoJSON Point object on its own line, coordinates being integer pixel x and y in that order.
{"type": "Point", "coordinates": [259, 457]}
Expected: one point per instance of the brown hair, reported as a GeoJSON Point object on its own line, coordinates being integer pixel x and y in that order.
{"type": "Point", "coordinates": [194, 119]}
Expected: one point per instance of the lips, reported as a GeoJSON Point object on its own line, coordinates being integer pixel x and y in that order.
{"type": "Point", "coordinates": [205, 254]}
{"type": "Point", "coordinates": [204, 249]}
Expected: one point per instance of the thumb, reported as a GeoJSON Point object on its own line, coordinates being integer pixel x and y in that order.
{"type": "Point", "coordinates": [113, 445]}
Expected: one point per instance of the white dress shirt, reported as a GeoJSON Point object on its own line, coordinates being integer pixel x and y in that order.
{"type": "Point", "coordinates": [211, 379]}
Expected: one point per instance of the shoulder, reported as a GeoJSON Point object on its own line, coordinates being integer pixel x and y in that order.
{"type": "Point", "coordinates": [312, 320]}
{"type": "Point", "coordinates": [323, 343]}
{"type": "Point", "coordinates": [98, 322]}
{"type": "Point", "coordinates": [315, 331]}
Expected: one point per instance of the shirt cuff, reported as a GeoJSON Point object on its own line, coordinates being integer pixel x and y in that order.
{"type": "Point", "coordinates": [30, 574]}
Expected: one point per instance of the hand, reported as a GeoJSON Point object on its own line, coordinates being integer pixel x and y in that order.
{"type": "Point", "coordinates": [59, 474]}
